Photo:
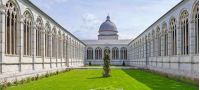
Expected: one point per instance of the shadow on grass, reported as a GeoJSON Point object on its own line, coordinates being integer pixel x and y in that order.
{"type": "Point", "coordinates": [100, 77]}
{"type": "Point", "coordinates": [157, 82]}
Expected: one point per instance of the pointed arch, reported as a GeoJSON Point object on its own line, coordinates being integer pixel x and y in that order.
{"type": "Point", "coordinates": [123, 53]}
{"type": "Point", "coordinates": [27, 32]}
{"type": "Point", "coordinates": [115, 53]}
{"type": "Point", "coordinates": [47, 39]}
{"type": "Point", "coordinates": [54, 42]}
{"type": "Point", "coordinates": [173, 30]}
{"type": "Point", "coordinates": [98, 53]}
{"type": "Point", "coordinates": [11, 25]}
{"type": "Point", "coordinates": [184, 24]}
{"type": "Point", "coordinates": [195, 18]}
{"type": "Point", "coordinates": [59, 44]}
{"type": "Point", "coordinates": [165, 42]}
{"type": "Point", "coordinates": [39, 30]}
{"type": "Point", "coordinates": [158, 36]}
{"type": "Point", "coordinates": [153, 43]}
{"type": "Point", "coordinates": [89, 53]}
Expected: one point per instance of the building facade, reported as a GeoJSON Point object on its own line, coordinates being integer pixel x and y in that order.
{"type": "Point", "coordinates": [171, 44]}
{"type": "Point", "coordinates": [107, 39]}
{"type": "Point", "coordinates": [32, 42]}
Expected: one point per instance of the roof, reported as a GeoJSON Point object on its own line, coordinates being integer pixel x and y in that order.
{"type": "Point", "coordinates": [108, 26]}
{"type": "Point", "coordinates": [50, 19]}
{"type": "Point", "coordinates": [89, 42]}
{"type": "Point", "coordinates": [158, 20]}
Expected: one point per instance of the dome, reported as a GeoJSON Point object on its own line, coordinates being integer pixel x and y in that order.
{"type": "Point", "coordinates": [108, 26]}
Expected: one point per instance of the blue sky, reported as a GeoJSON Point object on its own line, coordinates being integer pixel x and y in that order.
{"type": "Point", "coordinates": [83, 17]}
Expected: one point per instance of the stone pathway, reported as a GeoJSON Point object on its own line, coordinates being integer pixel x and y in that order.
{"type": "Point", "coordinates": [100, 67]}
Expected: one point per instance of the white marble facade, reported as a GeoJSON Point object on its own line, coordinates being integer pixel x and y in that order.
{"type": "Point", "coordinates": [31, 42]}
{"type": "Point", "coordinates": [171, 44]}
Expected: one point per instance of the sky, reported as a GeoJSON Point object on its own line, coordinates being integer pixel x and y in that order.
{"type": "Point", "coordinates": [84, 17]}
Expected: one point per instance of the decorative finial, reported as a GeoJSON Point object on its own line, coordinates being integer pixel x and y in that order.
{"type": "Point", "coordinates": [108, 18]}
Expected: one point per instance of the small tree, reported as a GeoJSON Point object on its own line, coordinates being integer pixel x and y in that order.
{"type": "Point", "coordinates": [123, 64]}
{"type": "Point", "coordinates": [106, 66]}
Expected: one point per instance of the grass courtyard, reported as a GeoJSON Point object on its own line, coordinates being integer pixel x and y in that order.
{"type": "Point", "coordinates": [92, 80]}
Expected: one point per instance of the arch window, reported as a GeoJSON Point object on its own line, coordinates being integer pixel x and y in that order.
{"type": "Point", "coordinates": [11, 28]}
{"type": "Point", "coordinates": [98, 53]}
{"type": "Point", "coordinates": [165, 42]}
{"type": "Point", "coordinates": [149, 45]}
{"type": "Point", "coordinates": [54, 43]}
{"type": "Point", "coordinates": [60, 45]}
{"type": "Point", "coordinates": [158, 41]}
{"type": "Point", "coordinates": [115, 53]}
{"type": "Point", "coordinates": [123, 53]}
{"type": "Point", "coordinates": [47, 40]}
{"type": "Point", "coordinates": [196, 25]}
{"type": "Point", "coordinates": [184, 32]}
{"type": "Point", "coordinates": [27, 33]}
{"type": "Point", "coordinates": [174, 35]}
{"type": "Point", "coordinates": [90, 53]}
{"type": "Point", "coordinates": [64, 46]}
{"type": "Point", "coordinates": [39, 28]}
{"type": "Point", "coordinates": [153, 44]}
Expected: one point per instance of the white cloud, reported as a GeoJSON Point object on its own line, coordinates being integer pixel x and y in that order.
{"type": "Point", "coordinates": [89, 26]}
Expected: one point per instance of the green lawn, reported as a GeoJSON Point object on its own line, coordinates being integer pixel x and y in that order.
{"type": "Point", "coordinates": [92, 80]}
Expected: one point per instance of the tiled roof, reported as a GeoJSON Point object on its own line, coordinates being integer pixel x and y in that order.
{"type": "Point", "coordinates": [89, 42]}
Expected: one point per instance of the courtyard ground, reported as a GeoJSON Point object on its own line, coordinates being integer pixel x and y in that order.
{"type": "Point", "coordinates": [81, 79]}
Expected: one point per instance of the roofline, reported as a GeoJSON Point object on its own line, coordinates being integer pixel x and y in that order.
{"type": "Point", "coordinates": [158, 20]}
{"type": "Point", "coordinates": [43, 13]}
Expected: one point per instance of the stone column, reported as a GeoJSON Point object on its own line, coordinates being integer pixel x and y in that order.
{"type": "Point", "coordinates": [169, 43]}
{"type": "Point", "coordinates": [2, 39]}
{"type": "Point", "coordinates": [152, 47]}
{"type": "Point", "coordinates": [43, 45]}
{"type": "Point", "coordinates": [178, 40]}
{"type": "Point", "coordinates": [50, 41]}
{"type": "Point", "coordinates": [163, 43]}
{"type": "Point", "coordinates": [93, 53]}
{"type": "Point", "coordinates": [56, 38]}
{"type": "Point", "coordinates": [20, 51]}
{"type": "Point", "coordinates": [34, 45]}
{"type": "Point", "coordinates": [192, 37]}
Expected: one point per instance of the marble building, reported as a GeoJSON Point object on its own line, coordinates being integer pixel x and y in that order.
{"type": "Point", "coordinates": [33, 43]}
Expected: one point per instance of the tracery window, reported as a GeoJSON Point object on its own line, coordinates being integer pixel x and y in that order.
{"type": "Point", "coordinates": [115, 53]}
{"type": "Point", "coordinates": [123, 53]}
{"type": "Point", "coordinates": [54, 43]}
{"type": "Point", "coordinates": [47, 40]}
{"type": "Point", "coordinates": [11, 18]}
{"type": "Point", "coordinates": [153, 43]}
{"type": "Point", "coordinates": [39, 29]}
{"type": "Point", "coordinates": [158, 41]}
{"type": "Point", "coordinates": [165, 42]}
{"type": "Point", "coordinates": [90, 53]}
{"type": "Point", "coordinates": [184, 33]}
{"type": "Point", "coordinates": [60, 45]}
{"type": "Point", "coordinates": [98, 53]}
{"type": "Point", "coordinates": [28, 20]}
{"type": "Point", "coordinates": [64, 50]}
{"type": "Point", "coordinates": [173, 29]}
{"type": "Point", "coordinates": [196, 24]}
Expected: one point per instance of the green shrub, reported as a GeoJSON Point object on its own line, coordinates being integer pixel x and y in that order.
{"type": "Point", "coordinates": [28, 79]}
{"type": "Point", "coordinates": [37, 77]}
{"type": "Point", "coordinates": [123, 64]}
{"type": "Point", "coordinates": [9, 84]}
{"type": "Point", "coordinates": [47, 74]}
{"type": "Point", "coordinates": [15, 82]}
{"type": "Point", "coordinates": [90, 63]}
{"type": "Point", "coordinates": [106, 66]}
{"type": "Point", "coordinates": [22, 81]}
